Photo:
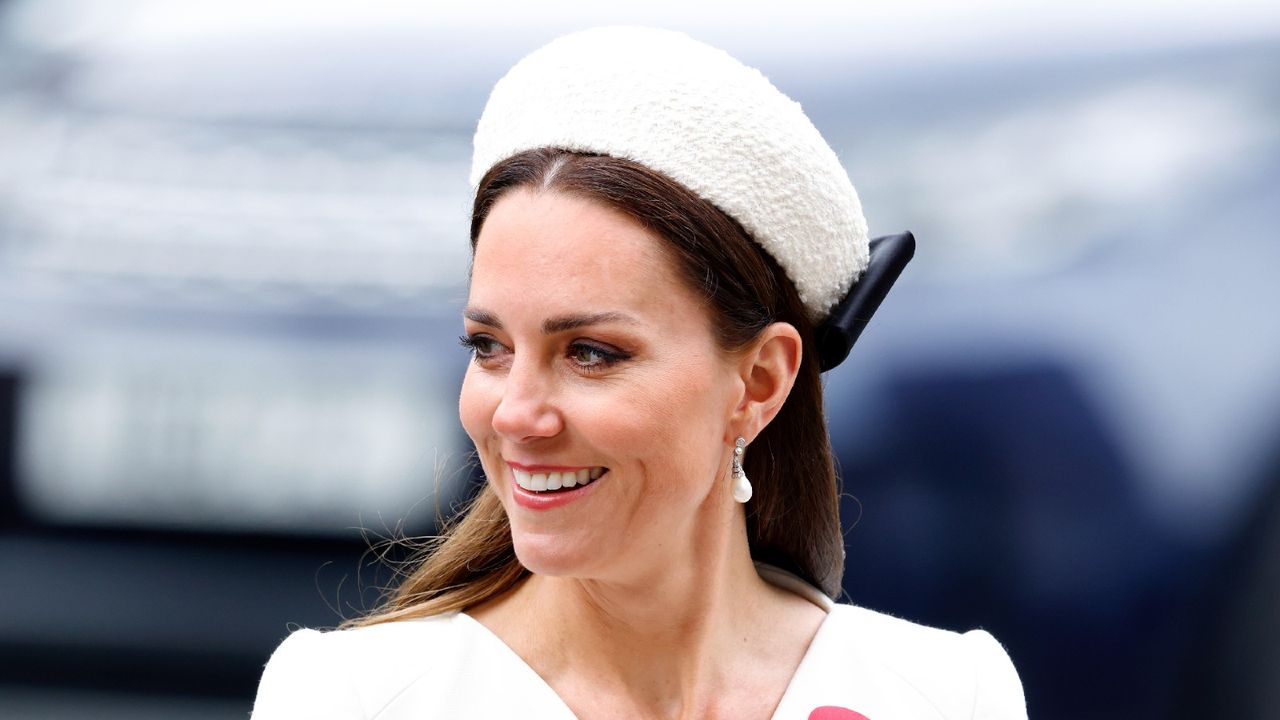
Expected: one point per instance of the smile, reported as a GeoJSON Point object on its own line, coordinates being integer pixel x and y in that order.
{"type": "Point", "coordinates": [556, 480]}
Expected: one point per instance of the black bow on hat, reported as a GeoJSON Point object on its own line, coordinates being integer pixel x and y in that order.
{"type": "Point", "coordinates": [836, 335]}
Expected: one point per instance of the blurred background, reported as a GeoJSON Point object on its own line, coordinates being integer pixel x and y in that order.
{"type": "Point", "coordinates": [233, 251]}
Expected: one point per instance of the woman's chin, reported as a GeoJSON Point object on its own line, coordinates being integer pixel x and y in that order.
{"type": "Point", "coordinates": [553, 554]}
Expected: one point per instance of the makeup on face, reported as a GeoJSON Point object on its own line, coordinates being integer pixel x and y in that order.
{"type": "Point", "coordinates": [595, 373]}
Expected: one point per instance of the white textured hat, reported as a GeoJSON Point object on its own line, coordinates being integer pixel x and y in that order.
{"type": "Point", "coordinates": [702, 118]}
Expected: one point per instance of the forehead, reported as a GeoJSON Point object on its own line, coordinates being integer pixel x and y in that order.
{"type": "Point", "coordinates": [563, 253]}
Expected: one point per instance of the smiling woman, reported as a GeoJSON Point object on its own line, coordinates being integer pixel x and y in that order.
{"type": "Point", "coordinates": [640, 392]}
{"type": "Point", "coordinates": [656, 235]}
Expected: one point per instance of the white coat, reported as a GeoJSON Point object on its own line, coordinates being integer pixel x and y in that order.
{"type": "Point", "coordinates": [861, 665]}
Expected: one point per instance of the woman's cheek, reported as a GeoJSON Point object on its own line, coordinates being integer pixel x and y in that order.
{"type": "Point", "coordinates": [476, 406]}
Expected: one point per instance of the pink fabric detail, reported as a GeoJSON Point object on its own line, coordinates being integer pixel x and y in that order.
{"type": "Point", "coordinates": [830, 712]}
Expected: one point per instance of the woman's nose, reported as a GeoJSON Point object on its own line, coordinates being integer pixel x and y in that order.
{"type": "Point", "coordinates": [527, 410]}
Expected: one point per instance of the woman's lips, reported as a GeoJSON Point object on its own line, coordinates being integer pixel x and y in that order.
{"type": "Point", "coordinates": [547, 479]}
{"type": "Point", "coordinates": [544, 487]}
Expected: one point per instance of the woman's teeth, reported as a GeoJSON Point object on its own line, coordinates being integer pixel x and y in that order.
{"type": "Point", "coordinates": [541, 482]}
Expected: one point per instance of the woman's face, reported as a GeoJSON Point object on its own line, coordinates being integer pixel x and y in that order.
{"type": "Point", "coordinates": [593, 359]}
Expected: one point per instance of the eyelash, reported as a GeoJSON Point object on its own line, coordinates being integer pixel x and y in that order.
{"type": "Point", "coordinates": [608, 357]}
{"type": "Point", "coordinates": [473, 343]}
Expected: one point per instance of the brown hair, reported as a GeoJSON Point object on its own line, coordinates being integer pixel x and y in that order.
{"type": "Point", "coordinates": [793, 517]}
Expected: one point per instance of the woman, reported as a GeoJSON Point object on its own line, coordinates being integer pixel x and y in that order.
{"type": "Point", "coordinates": [657, 233]}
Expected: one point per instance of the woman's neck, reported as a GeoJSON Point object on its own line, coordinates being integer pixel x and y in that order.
{"type": "Point", "coordinates": [667, 642]}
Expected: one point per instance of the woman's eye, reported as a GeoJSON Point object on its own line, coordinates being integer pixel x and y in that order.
{"type": "Point", "coordinates": [481, 346]}
{"type": "Point", "coordinates": [587, 355]}
{"type": "Point", "coordinates": [593, 357]}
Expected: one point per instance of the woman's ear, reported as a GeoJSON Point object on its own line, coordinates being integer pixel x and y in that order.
{"type": "Point", "coordinates": [768, 370]}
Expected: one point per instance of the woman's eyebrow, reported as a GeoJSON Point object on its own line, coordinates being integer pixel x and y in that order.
{"type": "Point", "coordinates": [484, 317]}
{"type": "Point", "coordinates": [554, 325]}
{"type": "Point", "coordinates": [550, 326]}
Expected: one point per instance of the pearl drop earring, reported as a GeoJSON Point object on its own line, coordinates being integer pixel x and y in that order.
{"type": "Point", "coordinates": [741, 485]}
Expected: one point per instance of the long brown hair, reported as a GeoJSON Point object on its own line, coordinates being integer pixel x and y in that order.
{"type": "Point", "coordinates": [793, 517]}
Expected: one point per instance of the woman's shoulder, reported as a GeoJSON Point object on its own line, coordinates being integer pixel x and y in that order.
{"type": "Point", "coordinates": [963, 675]}
{"type": "Point", "coordinates": [355, 672]}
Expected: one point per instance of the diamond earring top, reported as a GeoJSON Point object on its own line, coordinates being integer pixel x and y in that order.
{"type": "Point", "coordinates": [741, 485]}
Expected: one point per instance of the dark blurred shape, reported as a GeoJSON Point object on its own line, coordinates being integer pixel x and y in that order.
{"type": "Point", "coordinates": [172, 613]}
{"type": "Point", "coordinates": [968, 460]}
{"type": "Point", "coordinates": [1234, 667]}
{"type": "Point", "coordinates": [8, 433]}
